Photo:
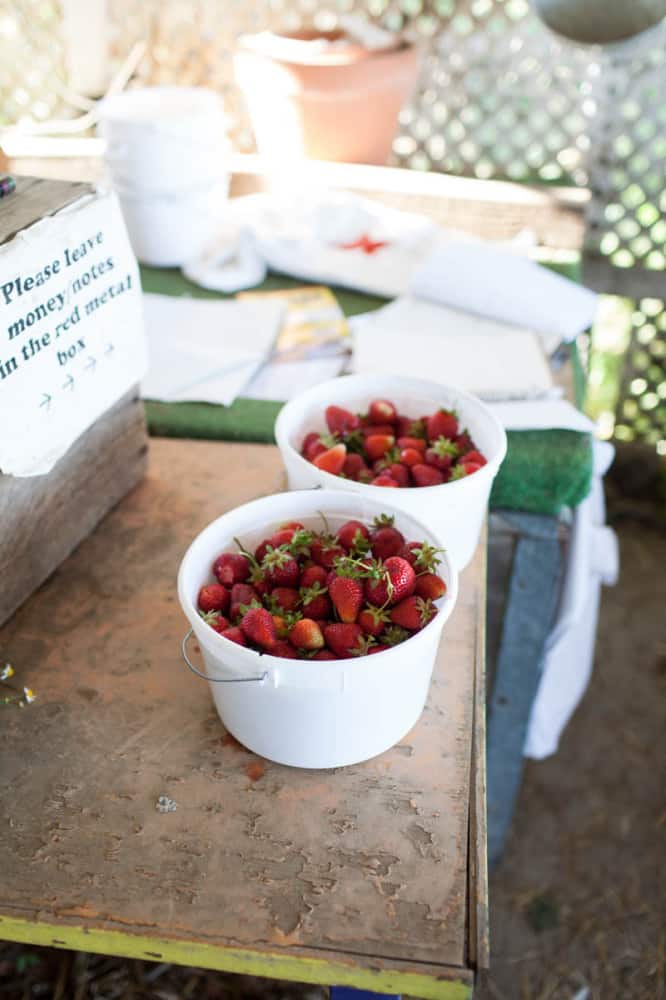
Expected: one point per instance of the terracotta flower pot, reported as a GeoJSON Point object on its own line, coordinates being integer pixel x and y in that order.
{"type": "Point", "coordinates": [331, 101]}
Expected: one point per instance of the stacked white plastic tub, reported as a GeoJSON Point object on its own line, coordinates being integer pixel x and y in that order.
{"type": "Point", "coordinates": [167, 156]}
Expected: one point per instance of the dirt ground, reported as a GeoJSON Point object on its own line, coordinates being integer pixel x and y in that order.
{"type": "Point", "coordinates": [578, 904]}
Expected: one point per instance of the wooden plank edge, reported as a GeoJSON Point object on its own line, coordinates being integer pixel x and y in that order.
{"type": "Point", "coordinates": [477, 896]}
{"type": "Point", "coordinates": [434, 983]}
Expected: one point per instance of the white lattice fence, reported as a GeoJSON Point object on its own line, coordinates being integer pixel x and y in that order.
{"type": "Point", "coordinates": [500, 97]}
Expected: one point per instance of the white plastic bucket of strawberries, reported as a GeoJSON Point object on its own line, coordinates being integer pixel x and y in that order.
{"type": "Point", "coordinates": [318, 614]}
{"type": "Point", "coordinates": [434, 450]}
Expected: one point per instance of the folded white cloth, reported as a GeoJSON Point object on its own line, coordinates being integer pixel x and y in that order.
{"type": "Point", "coordinates": [206, 349]}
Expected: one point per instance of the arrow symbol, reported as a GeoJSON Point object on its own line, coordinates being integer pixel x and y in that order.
{"type": "Point", "coordinates": [92, 364]}
{"type": "Point", "coordinates": [46, 401]}
{"type": "Point", "coordinates": [69, 382]}
{"type": "Point", "coordinates": [109, 348]}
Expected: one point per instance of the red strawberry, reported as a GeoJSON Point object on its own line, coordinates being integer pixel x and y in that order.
{"type": "Point", "coordinates": [400, 473]}
{"type": "Point", "coordinates": [325, 550]}
{"type": "Point", "coordinates": [315, 601]}
{"type": "Point", "coordinates": [408, 427]}
{"type": "Point", "coordinates": [213, 597]}
{"type": "Point", "coordinates": [234, 634]}
{"type": "Point", "coordinates": [379, 648]}
{"type": "Point", "coordinates": [353, 466]}
{"type": "Point", "coordinates": [242, 594]}
{"type": "Point", "coordinates": [285, 598]}
{"type": "Point", "coordinates": [421, 555]}
{"type": "Point", "coordinates": [390, 581]}
{"type": "Point", "coordinates": [418, 444]}
{"type": "Point", "coordinates": [442, 453]}
{"type": "Point", "coordinates": [413, 613]}
{"type": "Point", "coordinates": [261, 550]}
{"type": "Point", "coordinates": [230, 568]}
{"type": "Point", "coordinates": [410, 456]}
{"type": "Point", "coordinates": [373, 429]}
{"type": "Point", "coordinates": [280, 567]}
{"type": "Point", "coordinates": [306, 634]}
{"type": "Point", "coordinates": [373, 620]}
{"type": "Point", "coordinates": [351, 533]}
{"type": "Point", "coordinates": [462, 471]}
{"type": "Point", "coordinates": [292, 526]}
{"type": "Point", "coordinates": [430, 585]}
{"type": "Point", "coordinates": [473, 456]}
{"type": "Point", "coordinates": [284, 650]}
{"type": "Point", "coordinates": [331, 460]}
{"type": "Point", "coordinates": [471, 467]}
{"type": "Point", "coordinates": [381, 411]}
{"type": "Point", "coordinates": [313, 574]}
{"type": "Point", "coordinates": [464, 442]}
{"type": "Point", "coordinates": [282, 537]}
{"type": "Point", "coordinates": [427, 475]}
{"type": "Point", "coordinates": [385, 539]}
{"type": "Point", "coordinates": [325, 654]}
{"type": "Point", "coordinates": [312, 446]}
{"type": "Point", "coordinates": [258, 626]}
{"type": "Point", "coordinates": [346, 595]}
{"type": "Point", "coordinates": [443, 423]}
{"type": "Point", "coordinates": [216, 621]}
{"type": "Point", "coordinates": [340, 421]}
{"type": "Point", "coordinates": [376, 445]}
{"type": "Point", "coordinates": [343, 639]}
{"type": "Point", "coordinates": [385, 480]}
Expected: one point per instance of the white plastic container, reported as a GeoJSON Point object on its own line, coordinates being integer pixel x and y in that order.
{"type": "Point", "coordinates": [167, 156]}
{"type": "Point", "coordinates": [454, 511]}
{"type": "Point", "coordinates": [310, 713]}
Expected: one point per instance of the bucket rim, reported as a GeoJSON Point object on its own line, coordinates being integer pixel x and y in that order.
{"type": "Point", "coordinates": [290, 669]}
{"type": "Point", "coordinates": [487, 471]}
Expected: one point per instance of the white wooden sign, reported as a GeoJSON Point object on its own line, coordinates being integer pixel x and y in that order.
{"type": "Point", "coordinates": [71, 331]}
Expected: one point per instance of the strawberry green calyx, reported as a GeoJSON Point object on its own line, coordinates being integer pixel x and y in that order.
{"type": "Point", "coordinates": [275, 558]}
{"type": "Point", "coordinates": [244, 608]}
{"type": "Point", "coordinates": [388, 458]}
{"type": "Point", "coordinates": [209, 617]}
{"type": "Point", "coordinates": [355, 442]}
{"type": "Point", "coordinates": [427, 559]}
{"type": "Point", "coordinates": [300, 543]}
{"type": "Point", "coordinates": [417, 429]}
{"type": "Point", "coordinates": [254, 565]}
{"type": "Point", "coordinates": [394, 635]}
{"type": "Point", "coordinates": [308, 594]}
{"type": "Point", "coordinates": [384, 521]}
{"type": "Point", "coordinates": [458, 472]}
{"type": "Point", "coordinates": [426, 609]}
{"type": "Point", "coordinates": [364, 644]}
{"type": "Point", "coordinates": [443, 446]}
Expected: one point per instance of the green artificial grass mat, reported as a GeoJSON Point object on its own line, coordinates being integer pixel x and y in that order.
{"type": "Point", "coordinates": [542, 472]}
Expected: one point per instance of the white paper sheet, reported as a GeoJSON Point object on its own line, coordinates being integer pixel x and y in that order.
{"type": "Point", "coordinates": [206, 349]}
{"type": "Point", "coordinates": [417, 338]}
{"type": "Point", "coordinates": [489, 281]}
{"type": "Point", "coordinates": [542, 414]}
{"type": "Point", "coordinates": [285, 379]}
{"type": "Point", "coordinates": [71, 331]}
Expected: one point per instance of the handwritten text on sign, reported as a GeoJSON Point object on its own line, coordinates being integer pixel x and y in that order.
{"type": "Point", "coordinates": [71, 334]}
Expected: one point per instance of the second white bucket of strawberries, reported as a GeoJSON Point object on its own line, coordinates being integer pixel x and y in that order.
{"type": "Point", "coordinates": [454, 511]}
{"type": "Point", "coordinates": [306, 712]}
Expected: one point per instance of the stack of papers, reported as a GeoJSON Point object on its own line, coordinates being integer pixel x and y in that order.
{"type": "Point", "coordinates": [206, 350]}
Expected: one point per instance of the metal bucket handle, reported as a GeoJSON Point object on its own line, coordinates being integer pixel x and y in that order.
{"type": "Point", "coordinates": [215, 680]}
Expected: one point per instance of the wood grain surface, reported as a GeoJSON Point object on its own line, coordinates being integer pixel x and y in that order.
{"type": "Point", "coordinates": [33, 199]}
{"type": "Point", "coordinates": [44, 518]}
{"type": "Point", "coordinates": [368, 865]}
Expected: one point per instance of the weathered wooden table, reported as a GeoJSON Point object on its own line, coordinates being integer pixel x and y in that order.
{"type": "Point", "coordinates": [371, 876]}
